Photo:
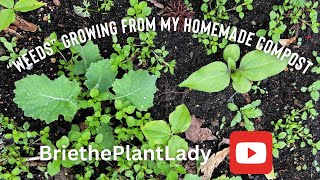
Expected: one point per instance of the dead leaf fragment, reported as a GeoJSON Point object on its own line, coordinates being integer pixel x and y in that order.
{"type": "Point", "coordinates": [287, 42]}
{"type": "Point", "coordinates": [57, 2]}
{"type": "Point", "coordinates": [25, 25]}
{"type": "Point", "coordinates": [156, 4]}
{"type": "Point", "coordinates": [195, 133]}
{"type": "Point", "coordinates": [213, 163]}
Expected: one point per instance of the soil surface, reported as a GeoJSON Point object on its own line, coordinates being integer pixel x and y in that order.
{"type": "Point", "coordinates": [281, 90]}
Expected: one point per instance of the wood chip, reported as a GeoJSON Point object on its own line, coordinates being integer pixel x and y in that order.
{"type": "Point", "coordinates": [195, 133]}
{"type": "Point", "coordinates": [25, 25]}
{"type": "Point", "coordinates": [156, 4]}
{"type": "Point", "coordinates": [213, 163]}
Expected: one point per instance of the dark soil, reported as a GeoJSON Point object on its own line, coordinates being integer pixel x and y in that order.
{"type": "Point", "coordinates": [190, 55]}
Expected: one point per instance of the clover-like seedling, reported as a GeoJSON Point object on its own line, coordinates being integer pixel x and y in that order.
{"type": "Point", "coordinates": [139, 9]}
{"type": "Point", "coordinates": [254, 66]}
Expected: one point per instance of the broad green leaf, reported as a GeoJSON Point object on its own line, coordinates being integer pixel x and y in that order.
{"type": "Point", "coordinates": [89, 53]}
{"type": "Point", "coordinates": [133, 2]}
{"type": "Point", "coordinates": [180, 119]}
{"type": "Point", "coordinates": [53, 167]}
{"type": "Point", "coordinates": [232, 51]}
{"type": "Point", "coordinates": [213, 77]}
{"type": "Point", "coordinates": [7, 3]}
{"type": "Point", "coordinates": [108, 138]}
{"type": "Point", "coordinates": [281, 144]}
{"type": "Point", "coordinates": [240, 83]}
{"type": "Point", "coordinates": [138, 87]}
{"type": "Point", "coordinates": [100, 76]}
{"type": "Point", "coordinates": [257, 65]}
{"type": "Point", "coordinates": [41, 98]}
{"type": "Point", "coordinates": [282, 135]}
{"type": "Point", "coordinates": [131, 12]}
{"type": "Point", "coordinates": [261, 32]}
{"type": "Point", "coordinates": [28, 5]}
{"type": "Point", "coordinates": [7, 17]}
{"type": "Point", "coordinates": [176, 143]}
{"type": "Point", "coordinates": [172, 175]}
{"type": "Point", "coordinates": [64, 140]}
{"type": "Point", "coordinates": [157, 132]}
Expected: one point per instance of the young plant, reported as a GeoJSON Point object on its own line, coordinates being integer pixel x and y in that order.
{"type": "Point", "coordinates": [254, 66]}
{"type": "Point", "coordinates": [82, 11]}
{"type": "Point", "coordinates": [314, 90]}
{"type": "Point", "coordinates": [138, 9]}
{"type": "Point", "coordinates": [211, 43]}
{"type": "Point", "coordinates": [218, 12]}
{"type": "Point", "coordinates": [159, 132]}
{"type": "Point", "coordinates": [257, 89]}
{"type": "Point", "coordinates": [300, 14]}
{"type": "Point", "coordinates": [7, 14]}
{"type": "Point", "coordinates": [291, 129]}
{"type": "Point", "coordinates": [10, 46]}
{"type": "Point", "coordinates": [245, 113]}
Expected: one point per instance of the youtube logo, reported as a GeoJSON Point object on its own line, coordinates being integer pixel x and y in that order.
{"type": "Point", "coordinates": [250, 152]}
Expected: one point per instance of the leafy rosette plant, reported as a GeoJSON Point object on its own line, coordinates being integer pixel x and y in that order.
{"type": "Point", "coordinates": [254, 66]}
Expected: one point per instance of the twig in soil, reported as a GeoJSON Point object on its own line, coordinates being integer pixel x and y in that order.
{"type": "Point", "coordinates": [13, 32]}
{"type": "Point", "coordinates": [37, 158]}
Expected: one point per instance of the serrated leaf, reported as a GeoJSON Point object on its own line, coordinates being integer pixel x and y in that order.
{"type": "Point", "coordinates": [157, 132]}
{"type": "Point", "coordinates": [180, 119]}
{"type": "Point", "coordinates": [7, 17]}
{"type": "Point", "coordinates": [138, 87]}
{"type": "Point", "coordinates": [213, 77]}
{"type": "Point", "coordinates": [28, 5]}
{"type": "Point", "coordinates": [100, 76]}
{"type": "Point", "coordinates": [89, 53]}
{"type": "Point", "coordinates": [176, 143]}
{"type": "Point", "coordinates": [257, 65]}
{"type": "Point", "coordinates": [41, 98]}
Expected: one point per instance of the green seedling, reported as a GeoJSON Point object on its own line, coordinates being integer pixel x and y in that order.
{"type": "Point", "coordinates": [7, 14]}
{"type": "Point", "coordinates": [245, 113]}
{"type": "Point", "coordinates": [254, 66]}
{"type": "Point", "coordinates": [299, 12]}
{"type": "Point", "coordinates": [291, 129]}
{"type": "Point", "coordinates": [138, 9]}
{"type": "Point", "coordinates": [10, 46]}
